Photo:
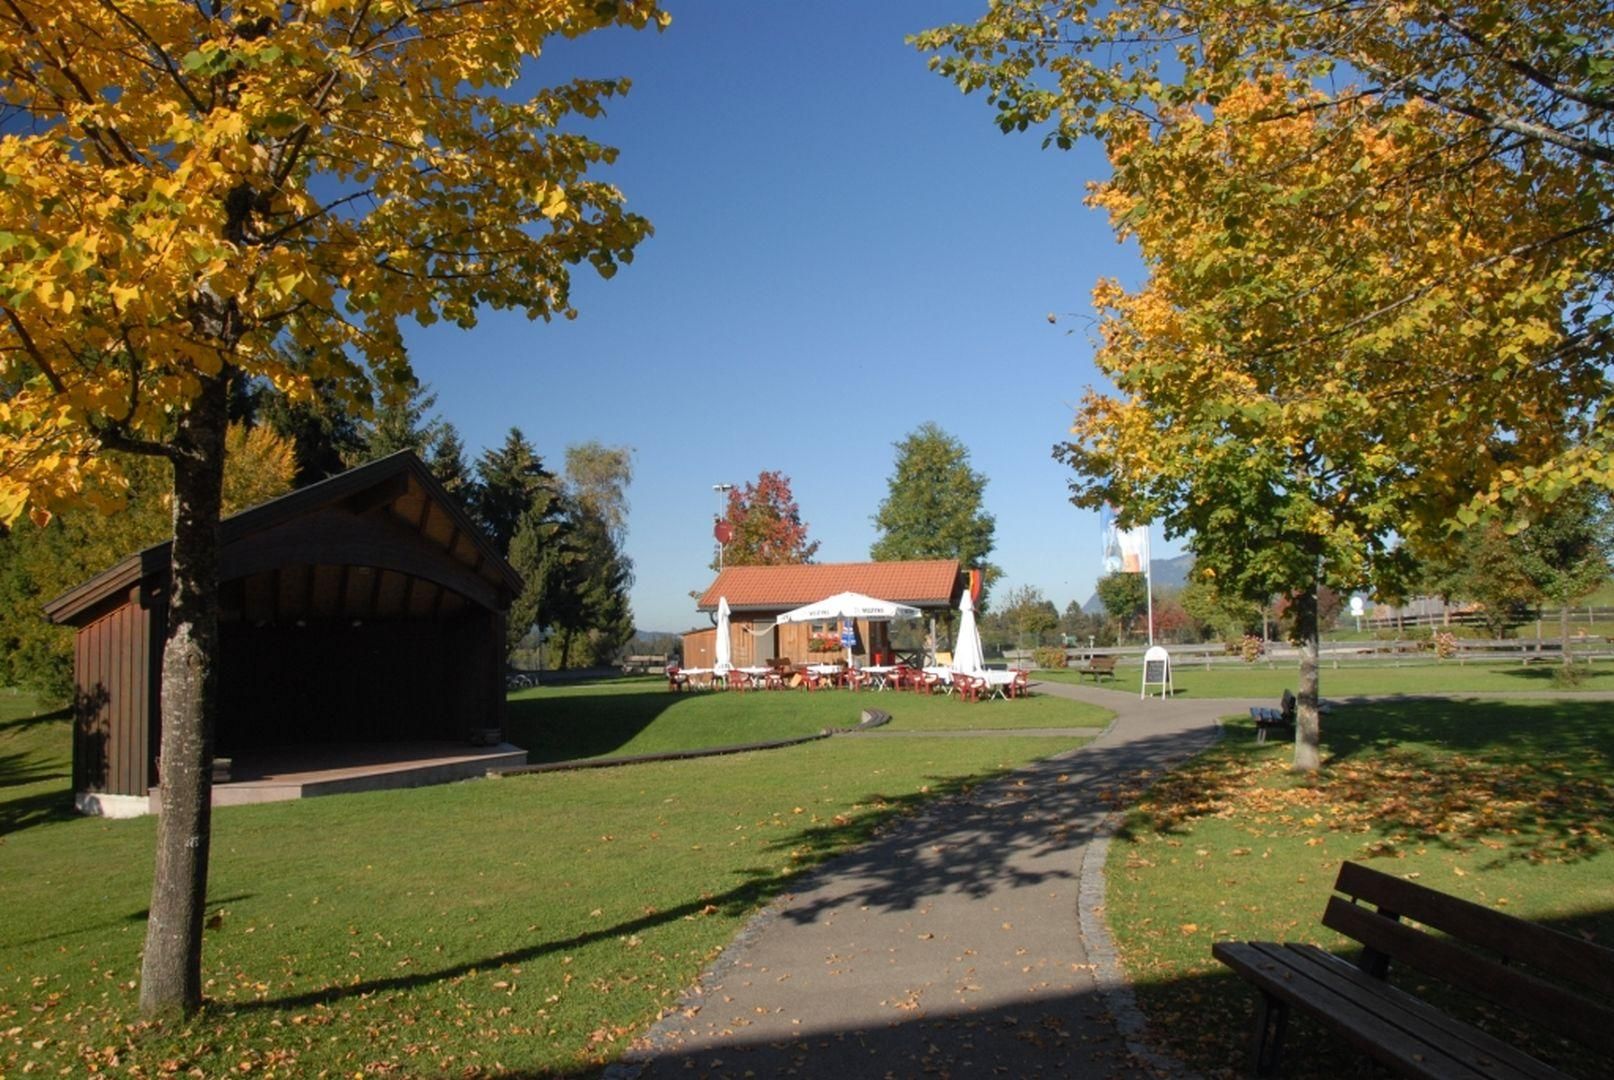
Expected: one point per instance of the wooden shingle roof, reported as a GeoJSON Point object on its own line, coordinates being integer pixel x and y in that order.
{"type": "Point", "coordinates": [357, 518]}
{"type": "Point", "coordinates": [927, 584]}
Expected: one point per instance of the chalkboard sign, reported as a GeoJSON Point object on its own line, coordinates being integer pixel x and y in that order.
{"type": "Point", "coordinates": [1156, 671]}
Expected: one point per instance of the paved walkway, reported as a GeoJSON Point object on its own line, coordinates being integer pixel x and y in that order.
{"type": "Point", "coordinates": [968, 941]}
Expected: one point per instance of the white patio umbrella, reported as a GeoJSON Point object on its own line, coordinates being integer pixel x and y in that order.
{"type": "Point", "coordinates": [967, 653]}
{"type": "Point", "coordinates": [723, 648]}
{"type": "Point", "coordinates": [848, 605]}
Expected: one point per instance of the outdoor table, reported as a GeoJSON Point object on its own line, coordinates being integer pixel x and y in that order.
{"type": "Point", "coordinates": [878, 672]}
{"type": "Point", "coordinates": [692, 673]}
{"type": "Point", "coordinates": [998, 681]}
{"type": "Point", "coordinates": [755, 674]}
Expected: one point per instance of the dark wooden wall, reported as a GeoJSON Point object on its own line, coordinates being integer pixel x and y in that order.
{"type": "Point", "coordinates": [117, 659]}
{"type": "Point", "coordinates": [331, 681]}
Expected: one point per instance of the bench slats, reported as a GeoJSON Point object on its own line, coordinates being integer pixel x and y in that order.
{"type": "Point", "coordinates": [1484, 1050]}
{"type": "Point", "coordinates": [1550, 1005]}
{"type": "Point", "coordinates": [1384, 1023]}
{"type": "Point", "coordinates": [1543, 948]}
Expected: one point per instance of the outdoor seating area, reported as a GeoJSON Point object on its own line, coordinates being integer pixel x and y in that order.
{"type": "Point", "coordinates": [733, 656]}
{"type": "Point", "coordinates": [986, 684]}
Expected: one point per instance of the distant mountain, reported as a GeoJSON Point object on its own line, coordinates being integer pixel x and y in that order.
{"type": "Point", "coordinates": [1163, 573]}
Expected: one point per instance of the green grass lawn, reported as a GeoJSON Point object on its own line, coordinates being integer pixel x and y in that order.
{"type": "Point", "coordinates": [1505, 803]}
{"type": "Point", "coordinates": [530, 925]}
{"type": "Point", "coordinates": [622, 717]}
{"type": "Point", "coordinates": [1349, 680]}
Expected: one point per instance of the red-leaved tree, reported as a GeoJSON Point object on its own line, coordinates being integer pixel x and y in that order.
{"type": "Point", "coordinates": [767, 525]}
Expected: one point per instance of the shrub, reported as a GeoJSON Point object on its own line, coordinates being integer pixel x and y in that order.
{"type": "Point", "coordinates": [1048, 657]}
{"type": "Point", "coordinates": [1445, 645]}
{"type": "Point", "coordinates": [1251, 648]}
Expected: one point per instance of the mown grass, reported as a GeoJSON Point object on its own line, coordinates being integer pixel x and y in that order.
{"type": "Point", "coordinates": [1505, 803]}
{"type": "Point", "coordinates": [524, 926]}
{"type": "Point", "coordinates": [623, 717]}
{"type": "Point", "coordinates": [1350, 680]}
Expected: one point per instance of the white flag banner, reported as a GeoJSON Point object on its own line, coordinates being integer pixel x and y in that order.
{"type": "Point", "coordinates": [1134, 545]}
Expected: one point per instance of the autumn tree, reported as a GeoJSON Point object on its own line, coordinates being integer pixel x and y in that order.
{"type": "Point", "coordinates": [766, 523]}
{"type": "Point", "coordinates": [935, 506]}
{"type": "Point", "coordinates": [595, 616]}
{"type": "Point", "coordinates": [1028, 615]}
{"type": "Point", "coordinates": [599, 477]}
{"type": "Point", "coordinates": [1522, 87]}
{"type": "Point", "coordinates": [40, 562]}
{"type": "Point", "coordinates": [325, 434]}
{"type": "Point", "coordinates": [1228, 616]}
{"type": "Point", "coordinates": [1311, 379]}
{"type": "Point", "coordinates": [1562, 555]}
{"type": "Point", "coordinates": [201, 191]}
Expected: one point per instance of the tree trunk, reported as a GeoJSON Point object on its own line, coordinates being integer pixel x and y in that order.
{"type": "Point", "coordinates": [1308, 753]}
{"type": "Point", "coordinates": [1563, 633]}
{"type": "Point", "coordinates": [171, 970]}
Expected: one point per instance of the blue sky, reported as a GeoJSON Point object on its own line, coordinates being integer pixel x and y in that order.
{"type": "Point", "coordinates": [845, 248]}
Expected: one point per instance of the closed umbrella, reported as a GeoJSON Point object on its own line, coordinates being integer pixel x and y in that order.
{"type": "Point", "coordinates": [967, 653]}
{"type": "Point", "coordinates": [723, 649]}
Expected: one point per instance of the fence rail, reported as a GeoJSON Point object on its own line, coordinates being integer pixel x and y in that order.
{"type": "Point", "coordinates": [1215, 653]}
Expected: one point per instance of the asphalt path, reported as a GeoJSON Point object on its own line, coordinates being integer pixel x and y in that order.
{"type": "Point", "coordinates": [966, 941]}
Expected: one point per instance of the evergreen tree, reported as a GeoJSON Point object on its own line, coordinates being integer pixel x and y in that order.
{"type": "Point", "coordinates": [934, 506]}
{"type": "Point", "coordinates": [542, 553]}
{"type": "Point", "coordinates": [446, 459]}
{"type": "Point", "coordinates": [507, 480]}
{"type": "Point", "coordinates": [401, 423]}
{"type": "Point", "coordinates": [324, 434]}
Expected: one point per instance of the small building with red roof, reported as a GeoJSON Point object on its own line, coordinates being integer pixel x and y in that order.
{"type": "Point", "coordinates": [757, 595]}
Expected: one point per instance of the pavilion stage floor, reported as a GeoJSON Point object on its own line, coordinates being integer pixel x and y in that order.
{"type": "Point", "coordinates": [303, 772]}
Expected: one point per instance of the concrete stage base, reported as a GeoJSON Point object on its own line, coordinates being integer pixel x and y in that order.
{"type": "Point", "coordinates": [304, 772]}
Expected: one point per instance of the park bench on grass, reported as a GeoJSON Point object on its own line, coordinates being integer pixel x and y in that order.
{"type": "Point", "coordinates": [1537, 973]}
{"type": "Point", "coordinates": [1282, 718]}
{"type": "Point", "coordinates": [1097, 667]}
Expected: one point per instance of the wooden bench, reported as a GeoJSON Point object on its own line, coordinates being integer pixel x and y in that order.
{"type": "Point", "coordinates": [1097, 667]}
{"type": "Point", "coordinates": [1532, 971]}
{"type": "Point", "coordinates": [1281, 719]}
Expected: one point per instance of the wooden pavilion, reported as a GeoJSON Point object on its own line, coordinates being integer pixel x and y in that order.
{"type": "Point", "coordinates": [364, 610]}
{"type": "Point", "coordinates": [758, 594]}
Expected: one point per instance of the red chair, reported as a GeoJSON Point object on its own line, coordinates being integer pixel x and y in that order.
{"type": "Point", "coordinates": [969, 687]}
{"type": "Point", "coordinates": [737, 679]}
{"type": "Point", "coordinates": [1021, 686]}
{"type": "Point", "coordinates": [676, 679]}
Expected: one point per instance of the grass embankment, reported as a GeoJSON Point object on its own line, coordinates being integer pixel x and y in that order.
{"type": "Point", "coordinates": [1351, 680]}
{"type": "Point", "coordinates": [529, 925]}
{"type": "Point", "coordinates": [624, 717]}
{"type": "Point", "coordinates": [1505, 803]}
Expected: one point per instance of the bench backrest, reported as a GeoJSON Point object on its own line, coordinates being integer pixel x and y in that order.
{"type": "Point", "coordinates": [1541, 973]}
{"type": "Point", "coordinates": [1102, 663]}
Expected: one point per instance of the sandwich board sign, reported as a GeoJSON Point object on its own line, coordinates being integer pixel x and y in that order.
{"type": "Point", "coordinates": [1156, 671]}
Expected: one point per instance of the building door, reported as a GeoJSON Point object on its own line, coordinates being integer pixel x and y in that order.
{"type": "Point", "coordinates": [761, 644]}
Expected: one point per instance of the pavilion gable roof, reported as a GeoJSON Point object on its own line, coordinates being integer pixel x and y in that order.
{"type": "Point", "coordinates": [925, 584]}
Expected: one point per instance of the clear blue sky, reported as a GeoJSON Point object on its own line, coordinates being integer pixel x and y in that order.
{"type": "Point", "coordinates": [845, 248]}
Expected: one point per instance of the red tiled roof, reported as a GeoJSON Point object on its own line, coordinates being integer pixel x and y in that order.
{"type": "Point", "coordinates": [931, 583]}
